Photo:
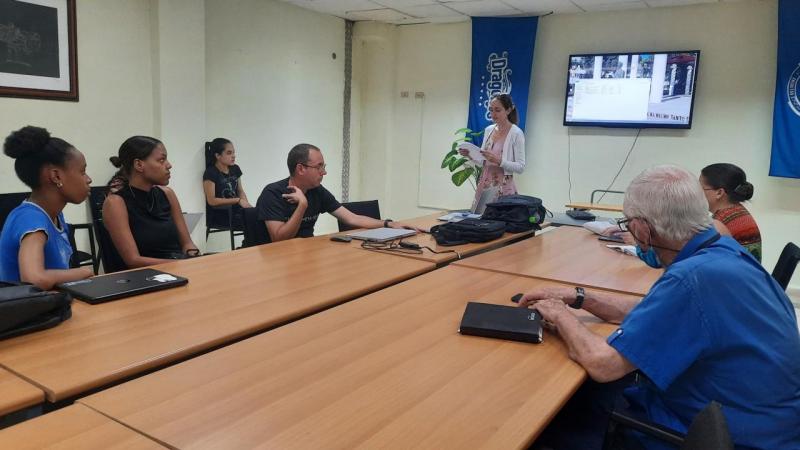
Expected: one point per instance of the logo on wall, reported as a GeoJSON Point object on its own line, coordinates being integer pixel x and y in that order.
{"type": "Point", "coordinates": [791, 90]}
{"type": "Point", "coordinates": [499, 78]}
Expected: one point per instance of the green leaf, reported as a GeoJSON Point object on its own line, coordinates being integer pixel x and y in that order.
{"type": "Point", "coordinates": [460, 177]}
{"type": "Point", "coordinates": [453, 148]}
{"type": "Point", "coordinates": [456, 162]}
{"type": "Point", "coordinates": [476, 134]}
{"type": "Point", "coordinates": [447, 161]}
{"type": "Point", "coordinates": [459, 162]}
{"type": "Point", "coordinates": [463, 130]}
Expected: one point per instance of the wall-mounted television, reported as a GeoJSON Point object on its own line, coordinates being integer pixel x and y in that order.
{"type": "Point", "coordinates": [631, 90]}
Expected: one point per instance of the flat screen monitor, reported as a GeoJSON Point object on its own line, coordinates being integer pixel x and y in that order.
{"type": "Point", "coordinates": [631, 90]}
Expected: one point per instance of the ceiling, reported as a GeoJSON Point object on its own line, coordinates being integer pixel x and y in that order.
{"type": "Point", "coordinates": [405, 12]}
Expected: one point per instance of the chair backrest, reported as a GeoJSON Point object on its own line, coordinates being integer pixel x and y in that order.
{"type": "Point", "coordinates": [112, 261]}
{"type": "Point", "coordinates": [97, 195]}
{"type": "Point", "coordinates": [367, 208]}
{"type": "Point", "coordinates": [708, 431]}
{"type": "Point", "coordinates": [8, 202]}
{"type": "Point", "coordinates": [255, 231]}
{"type": "Point", "coordinates": [787, 262]}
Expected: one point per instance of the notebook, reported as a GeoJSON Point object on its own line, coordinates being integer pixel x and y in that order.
{"type": "Point", "coordinates": [502, 322]}
{"type": "Point", "coordinates": [382, 234]}
{"type": "Point", "coordinates": [104, 288]}
{"type": "Point", "coordinates": [487, 196]}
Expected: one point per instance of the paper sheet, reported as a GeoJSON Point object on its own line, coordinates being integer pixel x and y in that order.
{"type": "Point", "coordinates": [474, 151]}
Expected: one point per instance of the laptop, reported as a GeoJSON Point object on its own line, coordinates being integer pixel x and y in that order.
{"type": "Point", "coordinates": [487, 196]}
{"type": "Point", "coordinates": [382, 234]}
{"type": "Point", "coordinates": [104, 288]}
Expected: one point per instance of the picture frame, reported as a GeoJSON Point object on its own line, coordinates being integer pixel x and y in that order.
{"type": "Point", "coordinates": [38, 49]}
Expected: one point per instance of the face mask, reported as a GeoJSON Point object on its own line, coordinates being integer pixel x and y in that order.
{"type": "Point", "coordinates": [650, 257]}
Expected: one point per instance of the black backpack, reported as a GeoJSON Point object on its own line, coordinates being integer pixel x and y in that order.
{"type": "Point", "coordinates": [467, 230]}
{"type": "Point", "coordinates": [25, 309]}
{"type": "Point", "coordinates": [519, 212]}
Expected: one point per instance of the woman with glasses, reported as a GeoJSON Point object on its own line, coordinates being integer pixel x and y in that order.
{"type": "Point", "coordinates": [143, 216]}
{"type": "Point", "coordinates": [726, 187]}
{"type": "Point", "coordinates": [503, 149]}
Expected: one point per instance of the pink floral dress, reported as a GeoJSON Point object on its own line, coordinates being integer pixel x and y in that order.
{"type": "Point", "coordinates": [493, 176]}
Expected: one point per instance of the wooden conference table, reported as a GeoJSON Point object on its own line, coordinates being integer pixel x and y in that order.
{"type": "Point", "coordinates": [426, 240]}
{"type": "Point", "coordinates": [73, 427]}
{"type": "Point", "coordinates": [229, 296]}
{"type": "Point", "coordinates": [388, 370]}
{"type": "Point", "coordinates": [16, 393]}
{"type": "Point", "coordinates": [595, 206]}
{"type": "Point", "coordinates": [570, 255]}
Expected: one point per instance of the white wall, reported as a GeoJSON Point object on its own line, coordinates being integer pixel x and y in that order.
{"type": "Point", "coordinates": [271, 83]}
{"type": "Point", "coordinates": [115, 87]}
{"type": "Point", "coordinates": [732, 122]}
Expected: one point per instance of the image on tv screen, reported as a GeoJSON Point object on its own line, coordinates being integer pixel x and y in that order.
{"type": "Point", "coordinates": [640, 90]}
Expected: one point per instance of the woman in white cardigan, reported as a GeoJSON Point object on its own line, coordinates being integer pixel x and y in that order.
{"type": "Point", "coordinates": [503, 147]}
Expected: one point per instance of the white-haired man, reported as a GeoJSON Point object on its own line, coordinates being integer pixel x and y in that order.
{"type": "Point", "coordinates": [715, 326]}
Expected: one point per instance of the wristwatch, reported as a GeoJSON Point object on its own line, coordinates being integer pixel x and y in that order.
{"type": "Point", "coordinates": [580, 296]}
{"type": "Point", "coordinates": [386, 223]}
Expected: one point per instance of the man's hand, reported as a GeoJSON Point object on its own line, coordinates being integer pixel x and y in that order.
{"type": "Point", "coordinates": [565, 295]}
{"type": "Point", "coordinates": [551, 309]}
{"type": "Point", "coordinates": [296, 196]}
{"type": "Point", "coordinates": [401, 225]}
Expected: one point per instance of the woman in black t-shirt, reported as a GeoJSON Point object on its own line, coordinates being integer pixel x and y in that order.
{"type": "Point", "coordinates": [222, 185]}
{"type": "Point", "coordinates": [143, 216]}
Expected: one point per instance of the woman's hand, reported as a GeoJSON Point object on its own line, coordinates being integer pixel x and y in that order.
{"type": "Point", "coordinates": [464, 152]}
{"type": "Point", "coordinates": [491, 157]}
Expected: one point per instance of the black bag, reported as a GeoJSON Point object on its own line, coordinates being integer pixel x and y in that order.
{"type": "Point", "coordinates": [519, 212]}
{"type": "Point", "coordinates": [25, 309]}
{"type": "Point", "coordinates": [467, 230]}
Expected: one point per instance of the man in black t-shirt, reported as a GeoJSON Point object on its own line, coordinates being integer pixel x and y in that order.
{"type": "Point", "coordinates": [290, 207]}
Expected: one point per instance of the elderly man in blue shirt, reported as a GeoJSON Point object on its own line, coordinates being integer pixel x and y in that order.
{"type": "Point", "coordinates": [715, 326]}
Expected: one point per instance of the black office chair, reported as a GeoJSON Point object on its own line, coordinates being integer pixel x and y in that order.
{"type": "Point", "coordinates": [708, 431]}
{"type": "Point", "coordinates": [8, 202]}
{"type": "Point", "coordinates": [787, 262]}
{"type": "Point", "coordinates": [255, 231]}
{"type": "Point", "coordinates": [233, 225]}
{"type": "Point", "coordinates": [108, 254]}
{"type": "Point", "coordinates": [367, 208]}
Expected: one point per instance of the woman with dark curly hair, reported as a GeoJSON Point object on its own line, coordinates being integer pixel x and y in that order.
{"type": "Point", "coordinates": [34, 244]}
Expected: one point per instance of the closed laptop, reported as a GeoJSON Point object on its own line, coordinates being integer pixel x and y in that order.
{"type": "Point", "coordinates": [502, 322]}
{"type": "Point", "coordinates": [118, 285]}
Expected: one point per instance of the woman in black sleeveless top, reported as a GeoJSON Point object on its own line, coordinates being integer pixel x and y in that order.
{"type": "Point", "coordinates": [142, 215]}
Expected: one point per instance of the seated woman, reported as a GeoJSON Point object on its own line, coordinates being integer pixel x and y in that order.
{"type": "Point", "coordinates": [34, 244]}
{"type": "Point", "coordinates": [726, 187]}
{"type": "Point", "coordinates": [143, 216]}
{"type": "Point", "coordinates": [222, 185]}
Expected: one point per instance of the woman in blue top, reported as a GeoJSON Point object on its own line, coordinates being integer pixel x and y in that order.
{"type": "Point", "coordinates": [34, 244]}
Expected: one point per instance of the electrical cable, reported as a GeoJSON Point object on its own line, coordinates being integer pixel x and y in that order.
{"type": "Point", "coordinates": [622, 166]}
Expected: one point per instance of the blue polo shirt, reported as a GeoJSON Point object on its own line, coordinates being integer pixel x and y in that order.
{"type": "Point", "coordinates": [716, 326]}
{"type": "Point", "coordinates": [29, 218]}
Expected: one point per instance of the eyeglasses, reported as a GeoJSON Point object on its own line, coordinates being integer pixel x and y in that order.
{"type": "Point", "coordinates": [623, 224]}
{"type": "Point", "coordinates": [320, 167]}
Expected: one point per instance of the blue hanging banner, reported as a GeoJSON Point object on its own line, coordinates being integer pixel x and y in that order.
{"type": "Point", "coordinates": [785, 160]}
{"type": "Point", "coordinates": [502, 60]}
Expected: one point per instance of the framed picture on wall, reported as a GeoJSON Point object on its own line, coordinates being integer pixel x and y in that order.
{"type": "Point", "coordinates": [38, 54]}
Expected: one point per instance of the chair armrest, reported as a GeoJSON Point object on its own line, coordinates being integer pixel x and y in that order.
{"type": "Point", "coordinates": [659, 432]}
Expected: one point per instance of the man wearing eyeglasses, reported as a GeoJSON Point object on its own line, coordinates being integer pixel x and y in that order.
{"type": "Point", "coordinates": [715, 326]}
{"type": "Point", "coordinates": [290, 207]}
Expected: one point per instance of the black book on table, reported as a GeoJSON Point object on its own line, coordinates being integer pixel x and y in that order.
{"type": "Point", "coordinates": [502, 322]}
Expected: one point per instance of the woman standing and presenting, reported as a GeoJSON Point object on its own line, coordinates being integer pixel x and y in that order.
{"type": "Point", "coordinates": [34, 245]}
{"type": "Point", "coordinates": [503, 149]}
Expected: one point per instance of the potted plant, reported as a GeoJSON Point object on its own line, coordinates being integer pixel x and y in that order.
{"type": "Point", "coordinates": [460, 167]}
